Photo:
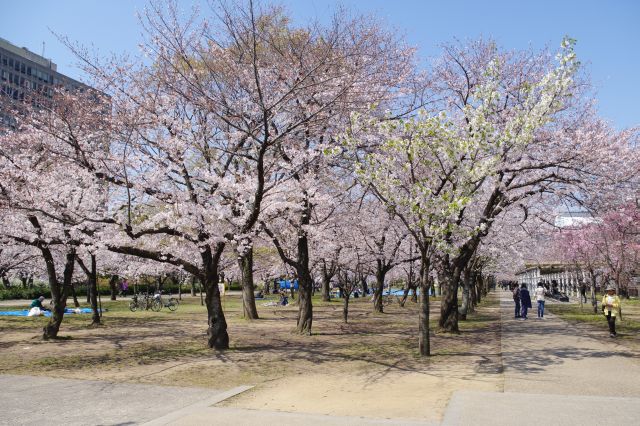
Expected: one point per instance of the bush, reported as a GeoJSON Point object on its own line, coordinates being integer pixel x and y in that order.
{"type": "Point", "coordinates": [24, 293]}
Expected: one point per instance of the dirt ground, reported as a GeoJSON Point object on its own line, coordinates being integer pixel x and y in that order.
{"type": "Point", "coordinates": [369, 367]}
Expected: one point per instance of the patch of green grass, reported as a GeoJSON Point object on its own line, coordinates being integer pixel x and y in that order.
{"type": "Point", "coordinates": [574, 313]}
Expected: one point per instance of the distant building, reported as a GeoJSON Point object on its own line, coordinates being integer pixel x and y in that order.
{"type": "Point", "coordinates": [27, 77]}
{"type": "Point", "coordinates": [573, 219]}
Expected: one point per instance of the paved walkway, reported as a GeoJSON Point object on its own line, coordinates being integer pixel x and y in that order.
{"type": "Point", "coordinates": [554, 374]}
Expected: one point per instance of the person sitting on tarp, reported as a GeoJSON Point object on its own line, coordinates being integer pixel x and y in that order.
{"type": "Point", "coordinates": [37, 303]}
{"type": "Point", "coordinates": [284, 300]}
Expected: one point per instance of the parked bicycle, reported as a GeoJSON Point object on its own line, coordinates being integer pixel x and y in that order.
{"type": "Point", "coordinates": [140, 301]}
{"type": "Point", "coordinates": [157, 303]}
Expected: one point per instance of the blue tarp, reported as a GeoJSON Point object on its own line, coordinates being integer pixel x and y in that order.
{"type": "Point", "coordinates": [286, 284]}
{"type": "Point", "coordinates": [46, 313]}
{"type": "Point", "coordinates": [401, 292]}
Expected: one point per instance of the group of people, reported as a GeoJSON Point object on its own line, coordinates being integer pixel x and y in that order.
{"type": "Point", "coordinates": [522, 298]}
{"type": "Point", "coordinates": [610, 303]}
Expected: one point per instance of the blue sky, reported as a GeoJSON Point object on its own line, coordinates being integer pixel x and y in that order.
{"type": "Point", "coordinates": [608, 32]}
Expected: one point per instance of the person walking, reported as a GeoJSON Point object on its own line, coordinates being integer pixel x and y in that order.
{"type": "Point", "coordinates": [583, 291]}
{"type": "Point", "coordinates": [540, 299]}
{"type": "Point", "coordinates": [611, 308]}
{"type": "Point", "coordinates": [525, 301]}
{"type": "Point", "coordinates": [516, 299]}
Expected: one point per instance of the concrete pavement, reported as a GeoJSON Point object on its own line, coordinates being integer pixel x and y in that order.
{"type": "Point", "coordinates": [28, 400]}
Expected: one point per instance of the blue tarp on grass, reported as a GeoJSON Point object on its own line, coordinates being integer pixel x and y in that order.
{"type": "Point", "coordinates": [46, 313]}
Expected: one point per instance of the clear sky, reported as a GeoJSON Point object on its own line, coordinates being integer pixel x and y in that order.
{"type": "Point", "coordinates": [608, 32]}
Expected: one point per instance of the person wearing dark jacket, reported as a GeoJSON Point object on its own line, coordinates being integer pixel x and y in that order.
{"type": "Point", "coordinates": [516, 298]}
{"type": "Point", "coordinates": [525, 301]}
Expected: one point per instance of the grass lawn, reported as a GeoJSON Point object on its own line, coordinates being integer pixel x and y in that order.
{"type": "Point", "coordinates": [628, 329]}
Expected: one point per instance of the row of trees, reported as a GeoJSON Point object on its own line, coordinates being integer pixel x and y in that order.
{"type": "Point", "coordinates": [325, 144]}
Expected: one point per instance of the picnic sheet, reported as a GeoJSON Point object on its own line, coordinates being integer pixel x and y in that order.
{"type": "Point", "coordinates": [24, 313]}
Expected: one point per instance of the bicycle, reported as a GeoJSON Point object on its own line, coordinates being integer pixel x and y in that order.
{"type": "Point", "coordinates": [158, 303]}
{"type": "Point", "coordinates": [140, 301]}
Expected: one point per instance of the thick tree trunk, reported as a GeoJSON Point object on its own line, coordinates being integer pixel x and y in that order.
{"type": "Point", "coordinates": [305, 305]}
{"type": "Point", "coordinates": [218, 337]}
{"type": "Point", "coordinates": [193, 286]}
{"type": "Point", "coordinates": [424, 343]}
{"type": "Point", "coordinates": [113, 286]}
{"type": "Point", "coordinates": [377, 292]}
{"type": "Point", "coordinates": [449, 281]}
{"type": "Point", "coordinates": [474, 294]}
{"type": "Point", "coordinates": [466, 290]}
{"type": "Point", "coordinates": [245, 264]}
{"type": "Point", "coordinates": [58, 291]}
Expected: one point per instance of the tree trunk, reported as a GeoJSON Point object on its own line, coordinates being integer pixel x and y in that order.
{"type": "Point", "coordinates": [93, 283]}
{"type": "Point", "coordinates": [245, 264]}
{"type": "Point", "coordinates": [58, 292]}
{"type": "Point", "coordinates": [471, 306]}
{"type": "Point", "coordinates": [474, 294]}
{"type": "Point", "coordinates": [113, 286]}
{"type": "Point", "coordinates": [407, 288]}
{"type": "Point", "coordinates": [449, 280]}
{"type": "Point", "coordinates": [326, 283]}
{"type": "Point", "coordinates": [345, 307]}
{"type": "Point", "coordinates": [76, 304]}
{"type": "Point", "coordinates": [193, 286]}
{"type": "Point", "coordinates": [218, 337]}
{"type": "Point", "coordinates": [377, 292]}
{"type": "Point", "coordinates": [423, 317]}
{"type": "Point", "coordinates": [305, 306]}
{"type": "Point", "coordinates": [365, 286]}
{"type": "Point", "coordinates": [594, 301]}
{"type": "Point", "coordinates": [466, 289]}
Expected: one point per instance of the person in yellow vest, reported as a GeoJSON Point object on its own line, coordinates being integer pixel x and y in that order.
{"type": "Point", "coordinates": [611, 308]}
